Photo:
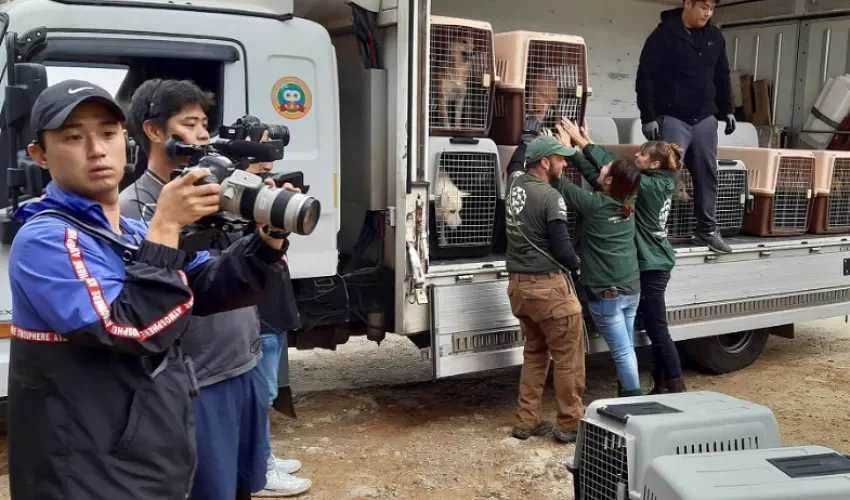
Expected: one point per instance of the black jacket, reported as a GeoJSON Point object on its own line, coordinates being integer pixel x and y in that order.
{"type": "Point", "coordinates": [681, 74]}
{"type": "Point", "coordinates": [99, 392]}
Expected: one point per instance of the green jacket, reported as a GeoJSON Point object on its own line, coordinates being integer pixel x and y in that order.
{"type": "Point", "coordinates": [607, 248]}
{"type": "Point", "coordinates": [651, 210]}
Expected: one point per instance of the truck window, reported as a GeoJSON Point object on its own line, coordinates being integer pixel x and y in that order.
{"type": "Point", "coordinates": [108, 77]}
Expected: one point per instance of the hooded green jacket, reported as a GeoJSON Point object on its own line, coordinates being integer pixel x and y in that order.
{"type": "Point", "coordinates": [654, 251]}
{"type": "Point", "coordinates": [607, 241]}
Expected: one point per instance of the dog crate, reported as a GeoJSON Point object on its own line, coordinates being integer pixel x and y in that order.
{"type": "Point", "coordinates": [619, 438]}
{"type": "Point", "coordinates": [462, 77]}
{"type": "Point", "coordinates": [831, 203]}
{"type": "Point", "coordinates": [781, 182]}
{"type": "Point", "coordinates": [801, 472]}
{"type": "Point", "coordinates": [505, 153]}
{"type": "Point", "coordinates": [541, 78]}
{"type": "Point", "coordinates": [463, 197]}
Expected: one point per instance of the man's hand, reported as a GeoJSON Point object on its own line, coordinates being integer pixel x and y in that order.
{"type": "Point", "coordinates": [731, 124]}
{"type": "Point", "coordinates": [272, 239]}
{"type": "Point", "coordinates": [180, 203]}
{"type": "Point", "coordinates": [651, 131]}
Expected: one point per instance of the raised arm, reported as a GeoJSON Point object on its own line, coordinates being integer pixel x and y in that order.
{"type": "Point", "coordinates": [87, 296]}
{"type": "Point", "coordinates": [581, 200]}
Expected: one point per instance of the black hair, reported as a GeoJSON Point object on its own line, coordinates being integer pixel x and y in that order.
{"type": "Point", "coordinates": [158, 100]}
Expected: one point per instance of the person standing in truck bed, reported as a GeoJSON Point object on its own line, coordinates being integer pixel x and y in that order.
{"type": "Point", "coordinates": [682, 76]}
{"type": "Point", "coordinates": [542, 298]}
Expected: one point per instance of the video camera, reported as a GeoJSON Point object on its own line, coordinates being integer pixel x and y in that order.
{"type": "Point", "coordinates": [245, 198]}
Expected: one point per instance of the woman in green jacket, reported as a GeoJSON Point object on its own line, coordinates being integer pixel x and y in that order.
{"type": "Point", "coordinates": [660, 164]}
{"type": "Point", "coordinates": [609, 265]}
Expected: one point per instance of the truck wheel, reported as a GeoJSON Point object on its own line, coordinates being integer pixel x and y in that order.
{"type": "Point", "coordinates": [727, 353]}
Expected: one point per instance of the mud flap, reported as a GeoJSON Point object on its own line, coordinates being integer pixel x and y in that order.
{"type": "Point", "coordinates": [284, 403]}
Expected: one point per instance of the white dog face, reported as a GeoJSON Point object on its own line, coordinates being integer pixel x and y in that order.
{"type": "Point", "coordinates": [448, 201]}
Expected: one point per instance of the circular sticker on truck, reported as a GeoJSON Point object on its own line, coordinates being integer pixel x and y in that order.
{"type": "Point", "coordinates": [291, 97]}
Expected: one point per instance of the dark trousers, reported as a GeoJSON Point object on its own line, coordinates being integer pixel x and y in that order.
{"type": "Point", "coordinates": [699, 141]}
{"type": "Point", "coordinates": [653, 285]}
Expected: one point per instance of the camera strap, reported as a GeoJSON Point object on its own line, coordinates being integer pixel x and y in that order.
{"type": "Point", "coordinates": [127, 251]}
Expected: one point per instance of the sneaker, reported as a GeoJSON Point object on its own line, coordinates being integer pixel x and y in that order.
{"type": "Point", "coordinates": [283, 485]}
{"type": "Point", "coordinates": [542, 429]}
{"type": "Point", "coordinates": [284, 466]}
{"type": "Point", "coordinates": [713, 241]}
{"type": "Point", "coordinates": [565, 436]}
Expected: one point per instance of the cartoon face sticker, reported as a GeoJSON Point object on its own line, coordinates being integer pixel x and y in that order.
{"type": "Point", "coordinates": [291, 98]}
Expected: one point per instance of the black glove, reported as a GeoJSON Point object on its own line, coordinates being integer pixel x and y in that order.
{"type": "Point", "coordinates": [731, 124]}
{"type": "Point", "coordinates": [651, 131]}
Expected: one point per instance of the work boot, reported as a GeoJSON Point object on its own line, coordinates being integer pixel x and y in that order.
{"type": "Point", "coordinates": [713, 241]}
{"type": "Point", "coordinates": [542, 429]}
{"type": "Point", "coordinates": [628, 394]}
{"type": "Point", "coordinates": [658, 386]}
{"type": "Point", "coordinates": [675, 385]}
{"type": "Point", "coordinates": [565, 436]}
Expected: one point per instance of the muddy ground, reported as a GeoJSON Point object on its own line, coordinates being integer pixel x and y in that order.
{"type": "Point", "coordinates": [371, 426]}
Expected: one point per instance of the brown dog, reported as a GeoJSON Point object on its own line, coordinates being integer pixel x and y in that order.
{"type": "Point", "coordinates": [542, 95]}
{"type": "Point", "coordinates": [452, 80]}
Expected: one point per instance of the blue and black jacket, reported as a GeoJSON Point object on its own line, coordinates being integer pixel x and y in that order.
{"type": "Point", "coordinates": [99, 391]}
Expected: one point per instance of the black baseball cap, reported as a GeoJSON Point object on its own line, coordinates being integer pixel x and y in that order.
{"type": "Point", "coordinates": [57, 102]}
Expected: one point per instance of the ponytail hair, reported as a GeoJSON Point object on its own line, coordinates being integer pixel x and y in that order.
{"type": "Point", "coordinates": [625, 180]}
{"type": "Point", "coordinates": [669, 157]}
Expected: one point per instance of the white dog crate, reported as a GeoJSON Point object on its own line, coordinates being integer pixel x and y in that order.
{"type": "Point", "coordinates": [542, 77]}
{"type": "Point", "coordinates": [619, 438]}
{"type": "Point", "coordinates": [603, 130]}
{"type": "Point", "coordinates": [831, 205]}
{"type": "Point", "coordinates": [464, 191]}
{"type": "Point", "coordinates": [781, 183]}
{"type": "Point", "coordinates": [462, 77]}
{"type": "Point", "coordinates": [794, 473]}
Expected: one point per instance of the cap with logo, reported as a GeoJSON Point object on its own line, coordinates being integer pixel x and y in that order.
{"type": "Point", "coordinates": [544, 146]}
{"type": "Point", "coordinates": [57, 102]}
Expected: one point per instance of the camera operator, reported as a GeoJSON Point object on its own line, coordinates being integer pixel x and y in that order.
{"type": "Point", "coordinates": [278, 313]}
{"type": "Point", "coordinates": [231, 410]}
{"type": "Point", "coordinates": [99, 390]}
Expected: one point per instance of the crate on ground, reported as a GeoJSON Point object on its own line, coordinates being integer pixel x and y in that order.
{"type": "Point", "coordinates": [831, 204]}
{"type": "Point", "coordinates": [463, 197]}
{"type": "Point", "coordinates": [619, 438]}
{"type": "Point", "coordinates": [541, 77]}
{"type": "Point", "coordinates": [462, 77]}
{"type": "Point", "coordinates": [781, 183]}
{"type": "Point", "coordinates": [801, 472]}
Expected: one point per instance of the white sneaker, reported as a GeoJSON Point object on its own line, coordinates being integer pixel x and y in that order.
{"type": "Point", "coordinates": [284, 466]}
{"type": "Point", "coordinates": [283, 485]}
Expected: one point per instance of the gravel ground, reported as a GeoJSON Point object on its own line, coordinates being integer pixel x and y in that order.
{"type": "Point", "coordinates": [371, 424]}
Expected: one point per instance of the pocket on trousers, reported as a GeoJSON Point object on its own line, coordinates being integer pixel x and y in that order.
{"type": "Point", "coordinates": [605, 307]}
{"type": "Point", "coordinates": [535, 303]}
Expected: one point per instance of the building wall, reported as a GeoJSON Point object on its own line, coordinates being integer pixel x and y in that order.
{"type": "Point", "coordinates": [614, 31]}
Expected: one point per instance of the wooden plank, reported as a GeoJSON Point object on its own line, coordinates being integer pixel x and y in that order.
{"type": "Point", "coordinates": [761, 91]}
{"type": "Point", "coordinates": [747, 95]}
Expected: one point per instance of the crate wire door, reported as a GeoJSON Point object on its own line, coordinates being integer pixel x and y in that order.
{"type": "Point", "coordinates": [461, 79]}
{"type": "Point", "coordinates": [555, 82]}
{"type": "Point", "coordinates": [791, 201]}
{"type": "Point", "coordinates": [731, 202]}
{"type": "Point", "coordinates": [472, 173]}
{"type": "Point", "coordinates": [838, 204]}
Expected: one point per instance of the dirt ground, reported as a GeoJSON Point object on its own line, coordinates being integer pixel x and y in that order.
{"type": "Point", "coordinates": [371, 426]}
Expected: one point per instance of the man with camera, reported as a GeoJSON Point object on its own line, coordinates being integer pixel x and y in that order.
{"type": "Point", "coordinates": [99, 389]}
{"type": "Point", "coordinates": [231, 410]}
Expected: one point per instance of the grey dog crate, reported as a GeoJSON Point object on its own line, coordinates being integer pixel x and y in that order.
{"type": "Point", "coordinates": [805, 472]}
{"type": "Point", "coordinates": [619, 438]}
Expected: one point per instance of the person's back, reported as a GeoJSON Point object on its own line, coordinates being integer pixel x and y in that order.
{"type": "Point", "coordinates": [533, 204]}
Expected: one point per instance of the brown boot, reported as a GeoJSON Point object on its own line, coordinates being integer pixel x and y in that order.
{"type": "Point", "coordinates": [675, 385]}
{"type": "Point", "coordinates": [658, 385]}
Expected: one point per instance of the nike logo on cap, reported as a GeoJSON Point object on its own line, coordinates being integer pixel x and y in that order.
{"type": "Point", "coordinates": [74, 91]}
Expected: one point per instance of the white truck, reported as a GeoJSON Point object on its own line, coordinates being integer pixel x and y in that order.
{"type": "Point", "coordinates": [361, 87]}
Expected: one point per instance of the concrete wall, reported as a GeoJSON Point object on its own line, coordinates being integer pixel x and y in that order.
{"type": "Point", "coordinates": [614, 31]}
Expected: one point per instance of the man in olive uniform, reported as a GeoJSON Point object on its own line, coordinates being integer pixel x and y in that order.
{"type": "Point", "coordinates": [549, 312]}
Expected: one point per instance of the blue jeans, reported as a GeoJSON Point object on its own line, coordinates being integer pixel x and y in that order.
{"type": "Point", "coordinates": [615, 320]}
{"type": "Point", "coordinates": [271, 345]}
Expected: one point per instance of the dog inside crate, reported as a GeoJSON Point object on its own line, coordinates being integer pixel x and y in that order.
{"type": "Point", "coordinates": [460, 77]}
{"type": "Point", "coordinates": [791, 201]}
{"type": "Point", "coordinates": [838, 214]}
{"type": "Point", "coordinates": [465, 195]}
{"type": "Point", "coordinates": [555, 71]}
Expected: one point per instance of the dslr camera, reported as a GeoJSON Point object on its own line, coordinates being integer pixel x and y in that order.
{"type": "Point", "coordinates": [245, 198]}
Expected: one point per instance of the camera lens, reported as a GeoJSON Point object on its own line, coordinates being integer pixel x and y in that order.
{"type": "Point", "coordinates": [284, 210]}
{"type": "Point", "coordinates": [278, 133]}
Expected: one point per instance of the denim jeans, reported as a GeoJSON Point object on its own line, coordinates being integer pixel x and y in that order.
{"type": "Point", "coordinates": [271, 345]}
{"type": "Point", "coordinates": [615, 320]}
